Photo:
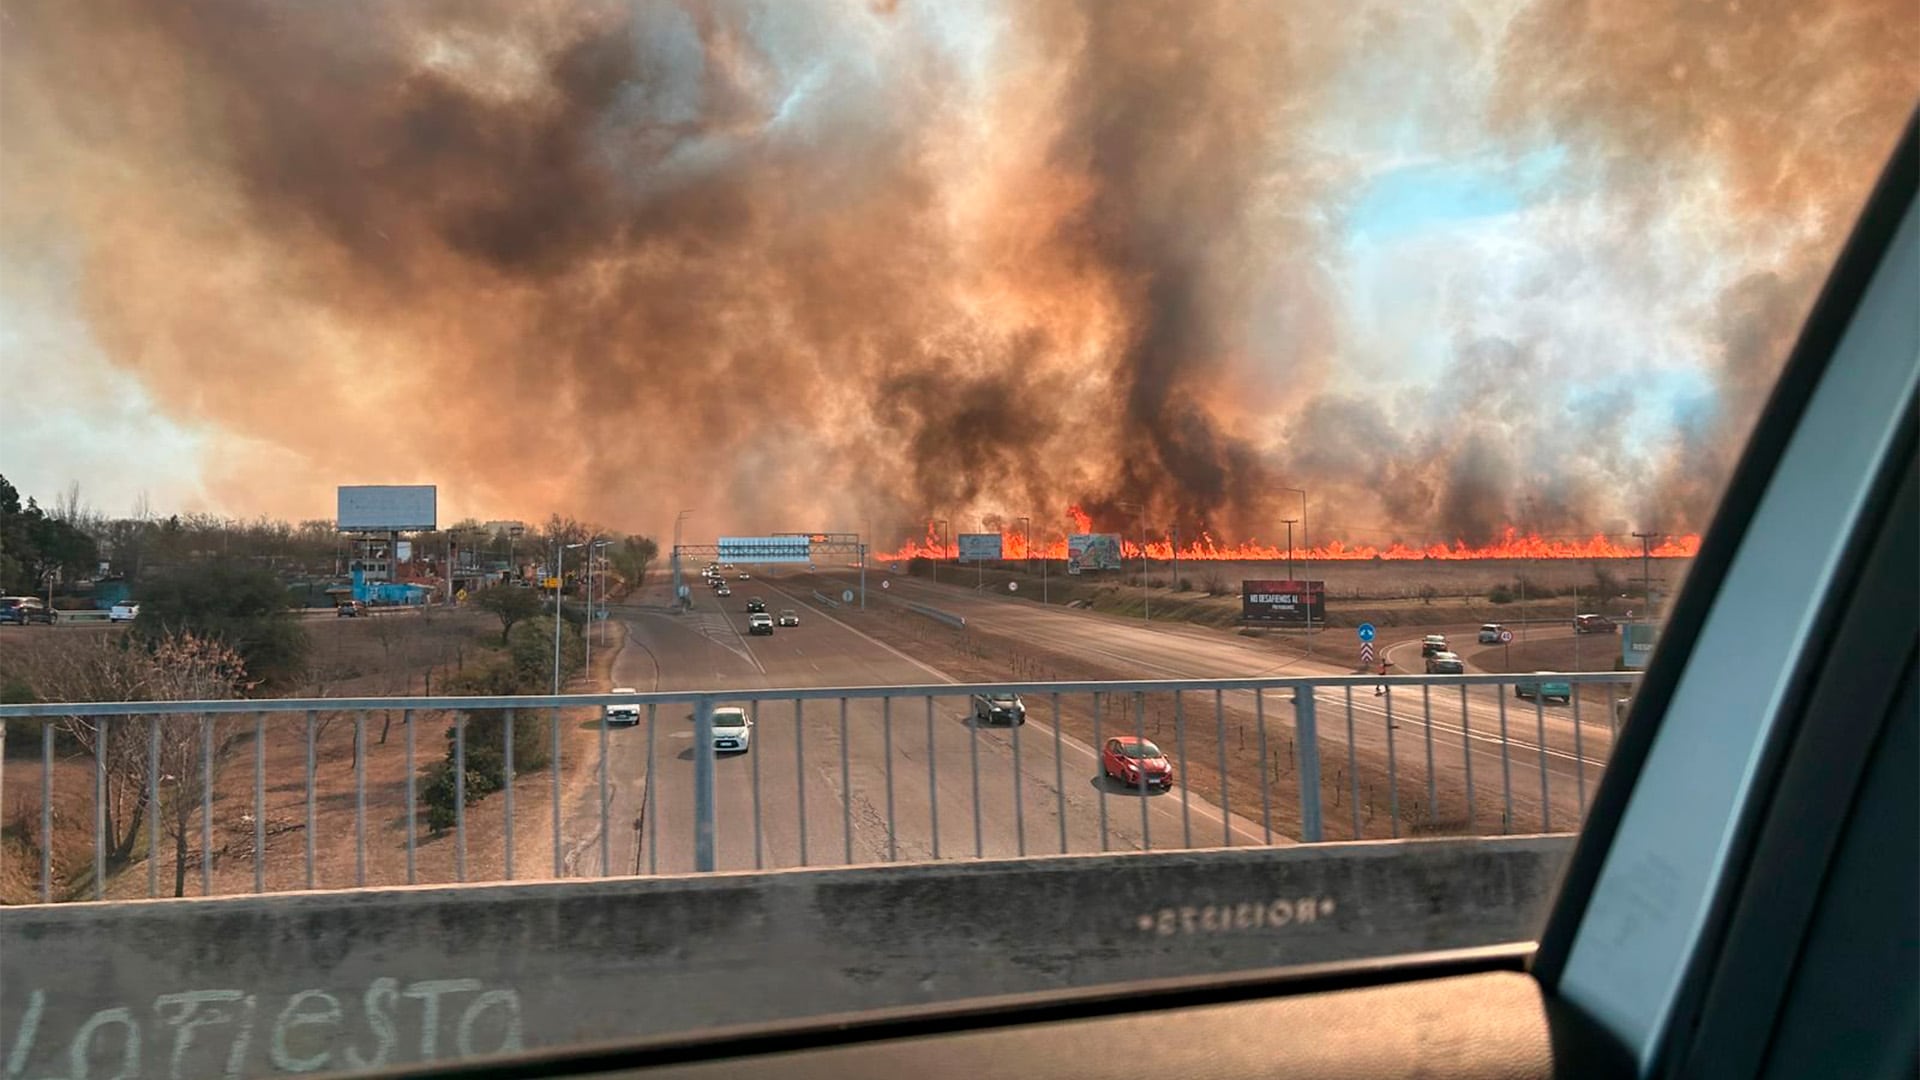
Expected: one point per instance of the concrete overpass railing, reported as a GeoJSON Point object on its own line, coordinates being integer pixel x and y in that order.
{"type": "Point", "coordinates": [306, 982]}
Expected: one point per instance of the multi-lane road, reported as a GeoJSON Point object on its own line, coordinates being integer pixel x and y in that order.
{"type": "Point", "coordinates": [865, 782]}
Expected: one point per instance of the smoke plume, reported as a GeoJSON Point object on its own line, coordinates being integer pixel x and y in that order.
{"type": "Point", "coordinates": [805, 265]}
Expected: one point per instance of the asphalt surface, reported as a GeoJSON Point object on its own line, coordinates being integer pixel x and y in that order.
{"type": "Point", "coordinates": [829, 786]}
{"type": "Point", "coordinates": [1514, 749]}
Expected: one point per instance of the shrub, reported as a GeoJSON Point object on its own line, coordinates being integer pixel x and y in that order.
{"type": "Point", "coordinates": [1500, 594]}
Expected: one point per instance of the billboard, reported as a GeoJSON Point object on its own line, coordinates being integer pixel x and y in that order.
{"type": "Point", "coordinates": [765, 549]}
{"type": "Point", "coordinates": [387, 508]}
{"type": "Point", "coordinates": [1281, 601]}
{"type": "Point", "coordinates": [979, 547]}
{"type": "Point", "coordinates": [1093, 551]}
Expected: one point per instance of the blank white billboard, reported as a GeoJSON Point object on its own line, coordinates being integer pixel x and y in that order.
{"type": "Point", "coordinates": [388, 508]}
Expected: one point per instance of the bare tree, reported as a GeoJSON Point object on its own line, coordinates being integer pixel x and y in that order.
{"type": "Point", "coordinates": [192, 746]}
{"type": "Point", "coordinates": [104, 669]}
{"type": "Point", "coordinates": [180, 667]}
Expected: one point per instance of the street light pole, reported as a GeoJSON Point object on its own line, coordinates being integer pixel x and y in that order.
{"type": "Point", "coordinates": [1026, 540]}
{"type": "Point", "coordinates": [942, 553]}
{"type": "Point", "coordinates": [682, 516]}
{"type": "Point", "coordinates": [1290, 522]}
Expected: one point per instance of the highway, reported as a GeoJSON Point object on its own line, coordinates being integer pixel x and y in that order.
{"type": "Point", "coordinates": [823, 788]}
{"type": "Point", "coordinates": [1464, 727]}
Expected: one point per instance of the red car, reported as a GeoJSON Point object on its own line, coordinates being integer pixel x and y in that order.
{"type": "Point", "coordinates": [1137, 763]}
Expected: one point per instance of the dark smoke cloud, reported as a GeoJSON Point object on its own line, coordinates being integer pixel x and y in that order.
{"type": "Point", "coordinates": [805, 265]}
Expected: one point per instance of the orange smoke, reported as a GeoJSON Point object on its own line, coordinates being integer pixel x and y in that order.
{"type": "Point", "coordinates": [1513, 544]}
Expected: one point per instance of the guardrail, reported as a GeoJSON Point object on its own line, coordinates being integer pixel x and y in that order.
{"type": "Point", "coordinates": [62, 615]}
{"type": "Point", "coordinates": [958, 622]}
{"type": "Point", "coordinates": [1254, 762]}
{"type": "Point", "coordinates": [822, 598]}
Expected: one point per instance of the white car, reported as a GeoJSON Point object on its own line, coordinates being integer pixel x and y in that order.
{"type": "Point", "coordinates": [124, 612]}
{"type": "Point", "coordinates": [1490, 633]}
{"type": "Point", "coordinates": [625, 712]}
{"type": "Point", "coordinates": [732, 729]}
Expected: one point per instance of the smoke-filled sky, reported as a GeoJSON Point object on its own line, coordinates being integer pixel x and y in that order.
{"type": "Point", "coordinates": [793, 265]}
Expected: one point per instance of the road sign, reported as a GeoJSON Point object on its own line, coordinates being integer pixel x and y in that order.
{"type": "Point", "coordinates": [1366, 631]}
{"type": "Point", "coordinates": [1506, 636]}
{"type": "Point", "coordinates": [886, 584]}
{"type": "Point", "coordinates": [1013, 586]}
{"type": "Point", "coordinates": [685, 592]}
{"type": "Point", "coordinates": [1366, 654]}
{"type": "Point", "coordinates": [601, 614]}
{"type": "Point", "coordinates": [847, 597]}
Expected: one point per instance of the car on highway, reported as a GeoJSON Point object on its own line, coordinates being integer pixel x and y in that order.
{"type": "Point", "coordinates": [1544, 685]}
{"type": "Point", "coordinates": [722, 590]}
{"type": "Point", "coordinates": [732, 729]}
{"type": "Point", "coordinates": [22, 610]}
{"type": "Point", "coordinates": [624, 712]}
{"type": "Point", "coordinates": [352, 609]}
{"type": "Point", "coordinates": [1446, 663]}
{"type": "Point", "coordinates": [999, 706]}
{"type": "Point", "coordinates": [756, 604]}
{"type": "Point", "coordinates": [789, 617]}
{"type": "Point", "coordinates": [1593, 624]}
{"type": "Point", "coordinates": [125, 611]}
{"type": "Point", "coordinates": [760, 623]}
{"type": "Point", "coordinates": [1433, 644]}
{"type": "Point", "coordinates": [741, 576]}
{"type": "Point", "coordinates": [1136, 762]}
{"type": "Point", "coordinates": [1490, 633]}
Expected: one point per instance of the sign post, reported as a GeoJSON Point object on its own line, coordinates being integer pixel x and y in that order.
{"type": "Point", "coordinates": [1366, 634]}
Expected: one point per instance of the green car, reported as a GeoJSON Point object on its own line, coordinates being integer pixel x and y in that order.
{"type": "Point", "coordinates": [1545, 686]}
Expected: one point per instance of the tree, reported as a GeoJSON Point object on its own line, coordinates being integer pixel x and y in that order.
{"type": "Point", "coordinates": [179, 667]}
{"type": "Point", "coordinates": [510, 604]}
{"type": "Point", "coordinates": [246, 607]}
{"type": "Point", "coordinates": [631, 557]}
{"type": "Point", "coordinates": [192, 749]}
{"type": "Point", "coordinates": [35, 546]}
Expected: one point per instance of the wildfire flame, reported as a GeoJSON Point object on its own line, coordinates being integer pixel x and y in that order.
{"type": "Point", "coordinates": [1513, 544]}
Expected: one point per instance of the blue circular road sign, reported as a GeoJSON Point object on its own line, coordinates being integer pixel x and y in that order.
{"type": "Point", "coordinates": [1366, 631]}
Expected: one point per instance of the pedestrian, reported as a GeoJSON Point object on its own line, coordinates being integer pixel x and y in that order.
{"type": "Point", "coordinates": [1382, 688]}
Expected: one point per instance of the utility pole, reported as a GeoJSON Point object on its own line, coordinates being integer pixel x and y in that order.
{"type": "Point", "coordinates": [1290, 522]}
{"type": "Point", "coordinates": [1646, 568]}
{"type": "Point", "coordinates": [1173, 532]}
{"type": "Point", "coordinates": [942, 523]}
{"type": "Point", "coordinates": [1146, 602]}
{"type": "Point", "coordinates": [1302, 492]}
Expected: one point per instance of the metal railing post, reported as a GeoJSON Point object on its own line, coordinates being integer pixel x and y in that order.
{"type": "Point", "coordinates": [506, 782]}
{"type": "Point", "coordinates": [703, 860]}
{"type": "Point", "coordinates": [1306, 734]}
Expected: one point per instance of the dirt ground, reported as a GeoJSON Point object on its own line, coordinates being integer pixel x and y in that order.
{"type": "Point", "coordinates": [382, 656]}
{"type": "Point", "coordinates": [1386, 593]}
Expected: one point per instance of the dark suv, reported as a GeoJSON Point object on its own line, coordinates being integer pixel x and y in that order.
{"type": "Point", "coordinates": [22, 610]}
{"type": "Point", "coordinates": [1593, 624]}
{"type": "Point", "coordinates": [756, 605]}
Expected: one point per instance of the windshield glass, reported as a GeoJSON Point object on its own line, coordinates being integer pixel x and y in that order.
{"type": "Point", "coordinates": [1186, 363]}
